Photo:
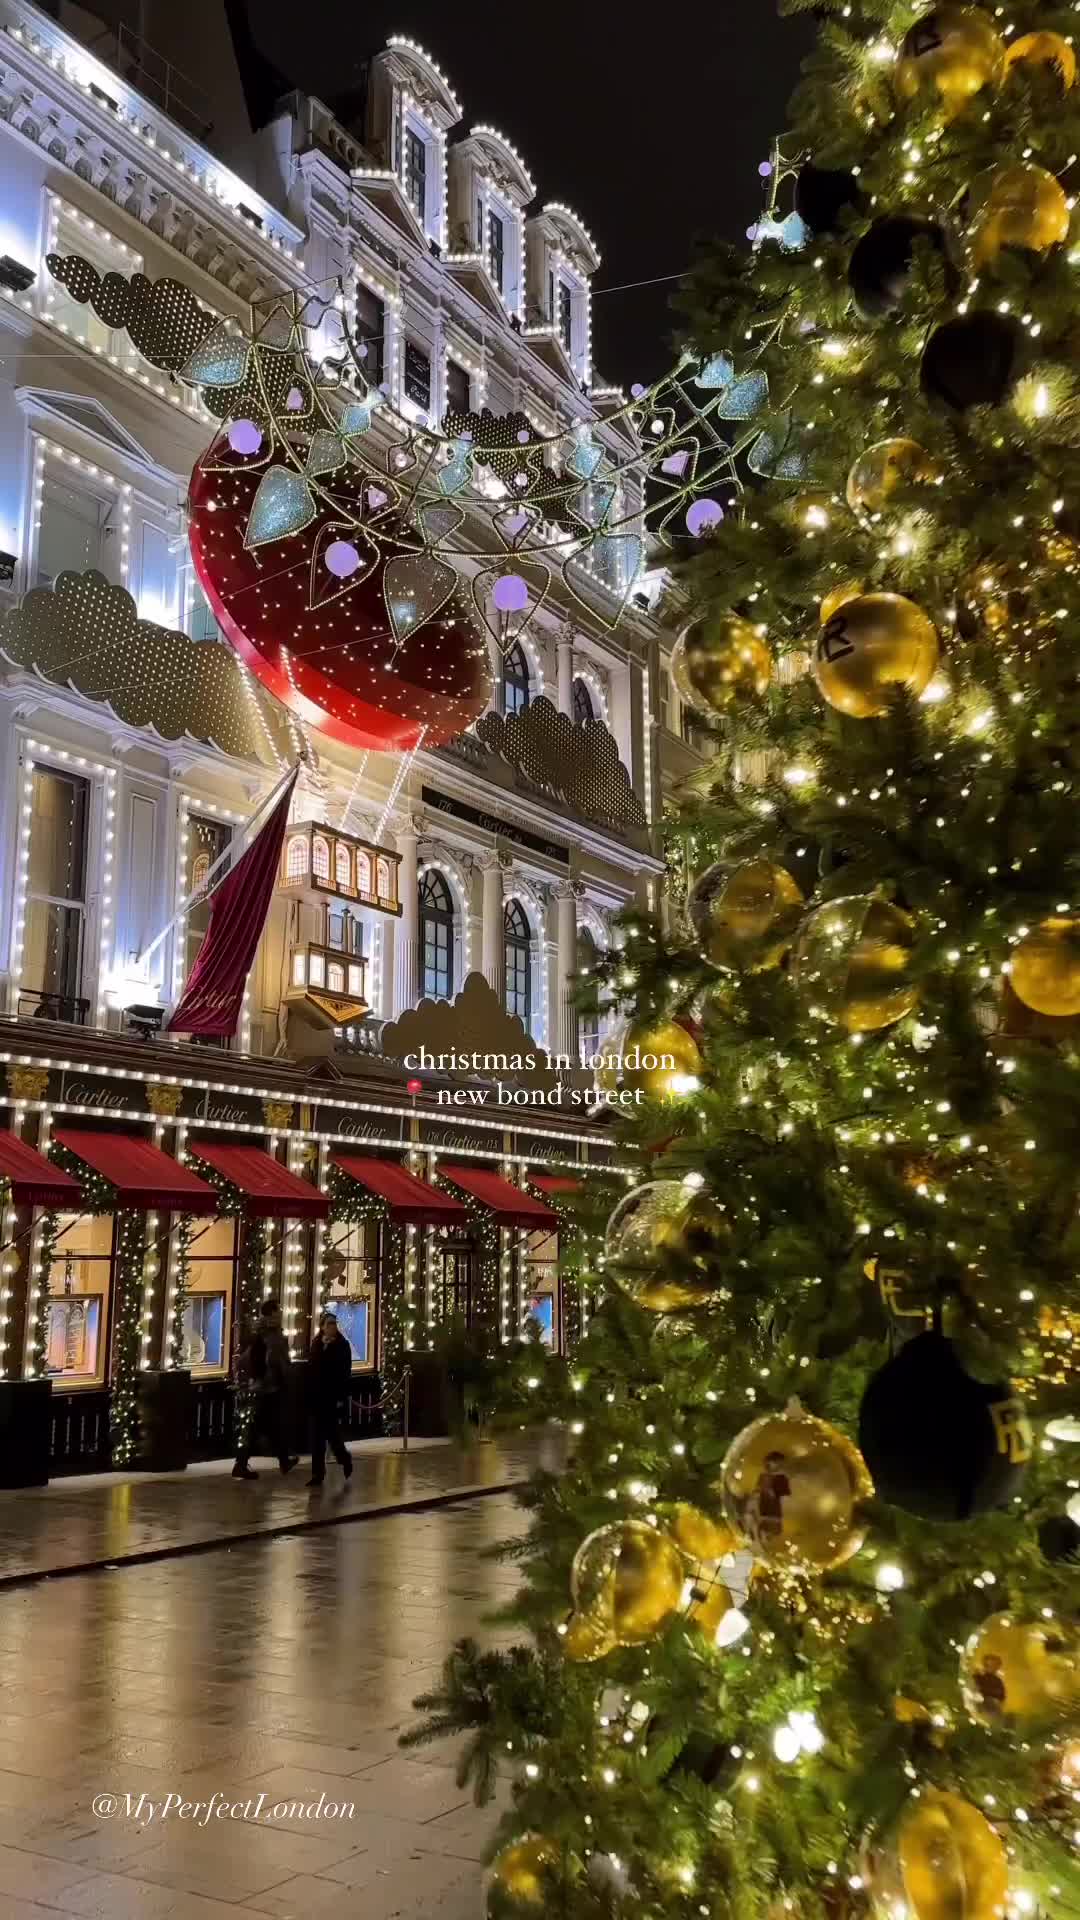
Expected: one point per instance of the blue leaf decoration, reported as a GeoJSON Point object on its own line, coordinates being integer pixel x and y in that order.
{"type": "Point", "coordinates": [221, 360]}
{"type": "Point", "coordinates": [585, 459]}
{"type": "Point", "coordinates": [283, 504]}
{"type": "Point", "coordinates": [776, 454]}
{"type": "Point", "coordinates": [717, 373]}
{"type": "Point", "coordinates": [794, 233]}
{"type": "Point", "coordinates": [356, 418]}
{"type": "Point", "coordinates": [745, 397]}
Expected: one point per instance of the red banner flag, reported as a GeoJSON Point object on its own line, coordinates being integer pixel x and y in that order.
{"type": "Point", "coordinates": [211, 1001]}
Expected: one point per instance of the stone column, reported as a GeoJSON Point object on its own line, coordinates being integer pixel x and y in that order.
{"type": "Point", "coordinates": [564, 1013]}
{"type": "Point", "coordinates": [405, 977]}
{"type": "Point", "coordinates": [494, 949]}
{"type": "Point", "coordinates": [566, 673]}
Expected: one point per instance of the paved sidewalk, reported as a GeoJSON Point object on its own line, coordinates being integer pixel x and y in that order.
{"type": "Point", "coordinates": [105, 1520]}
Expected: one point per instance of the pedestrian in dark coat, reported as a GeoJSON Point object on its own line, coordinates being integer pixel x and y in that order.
{"type": "Point", "coordinates": [263, 1372]}
{"type": "Point", "coordinates": [329, 1383]}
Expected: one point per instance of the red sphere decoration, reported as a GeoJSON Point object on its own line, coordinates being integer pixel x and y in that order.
{"type": "Point", "coordinates": [335, 663]}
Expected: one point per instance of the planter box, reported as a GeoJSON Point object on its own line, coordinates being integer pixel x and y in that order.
{"type": "Point", "coordinates": [25, 1432]}
{"type": "Point", "coordinates": [164, 1408]}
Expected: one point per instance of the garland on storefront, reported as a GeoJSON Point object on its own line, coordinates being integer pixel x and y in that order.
{"type": "Point", "coordinates": [129, 1259]}
{"type": "Point", "coordinates": [37, 1306]}
{"type": "Point", "coordinates": [351, 1205]}
{"type": "Point", "coordinates": [486, 1237]}
{"type": "Point", "coordinates": [181, 1274]}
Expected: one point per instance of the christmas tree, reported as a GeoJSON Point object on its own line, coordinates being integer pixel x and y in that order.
{"type": "Point", "coordinates": [803, 1609]}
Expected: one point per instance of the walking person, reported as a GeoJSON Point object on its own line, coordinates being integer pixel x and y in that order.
{"type": "Point", "coordinates": [263, 1368]}
{"type": "Point", "coordinates": [329, 1381]}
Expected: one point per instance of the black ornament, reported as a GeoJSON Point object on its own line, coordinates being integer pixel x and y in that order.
{"type": "Point", "coordinates": [881, 262]}
{"type": "Point", "coordinates": [1059, 1537]}
{"type": "Point", "coordinates": [822, 194]}
{"type": "Point", "coordinates": [972, 361]}
{"type": "Point", "coordinates": [938, 1443]}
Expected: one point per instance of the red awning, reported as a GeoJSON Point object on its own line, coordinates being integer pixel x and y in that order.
{"type": "Point", "coordinates": [510, 1206]}
{"type": "Point", "coordinates": [143, 1176]}
{"type": "Point", "coordinates": [412, 1202]}
{"type": "Point", "coordinates": [35, 1182]}
{"type": "Point", "coordinates": [270, 1191]}
{"type": "Point", "coordinates": [554, 1183]}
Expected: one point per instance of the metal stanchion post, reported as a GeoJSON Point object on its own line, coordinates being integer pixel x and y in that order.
{"type": "Point", "coordinates": [405, 1410]}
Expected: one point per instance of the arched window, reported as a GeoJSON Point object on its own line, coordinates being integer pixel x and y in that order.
{"type": "Point", "coordinates": [383, 883]}
{"type": "Point", "coordinates": [200, 870]}
{"type": "Point", "coordinates": [436, 937]}
{"type": "Point", "coordinates": [517, 962]}
{"type": "Point", "coordinates": [296, 858]}
{"type": "Point", "coordinates": [342, 868]}
{"type": "Point", "coordinates": [335, 977]}
{"type": "Point", "coordinates": [320, 859]}
{"type": "Point", "coordinates": [516, 690]}
{"type": "Point", "coordinates": [583, 704]}
{"type": "Point", "coordinates": [363, 872]}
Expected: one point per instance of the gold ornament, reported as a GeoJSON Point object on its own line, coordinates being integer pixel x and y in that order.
{"type": "Point", "coordinates": [27, 1083]}
{"type": "Point", "coordinates": [700, 1536]}
{"type": "Point", "coordinates": [1020, 1670]}
{"type": "Point", "coordinates": [163, 1102]}
{"type": "Point", "coordinates": [1044, 50]}
{"type": "Point", "coordinates": [663, 1242]}
{"type": "Point", "coordinates": [628, 1578]}
{"type": "Point", "coordinates": [894, 1290]}
{"type": "Point", "coordinates": [839, 597]}
{"type": "Point", "coordinates": [944, 1862]}
{"type": "Point", "coordinates": [519, 1870]}
{"type": "Point", "coordinates": [1045, 972]}
{"type": "Point", "coordinates": [1016, 206]}
{"type": "Point", "coordinates": [586, 1639]}
{"type": "Point", "coordinates": [881, 469]}
{"type": "Point", "coordinates": [955, 51]}
{"type": "Point", "coordinates": [719, 1571]}
{"type": "Point", "coordinates": [792, 1487]}
{"type": "Point", "coordinates": [735, 912]}
{"type": "Point", "coordinates": [873, 645]}
{"type": "Point", "coordinates": [659, 1059]}
{"type": "Point", "coordinates": [1060, 549]}
{"type": "Point", "coordinates": [718, 660]}
{"type": "Point", "coordinates": [278, 1113]}
{"type": "Point", "coordinates": [853, 960]}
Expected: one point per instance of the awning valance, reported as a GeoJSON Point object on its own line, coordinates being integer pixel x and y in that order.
{"type": "Point", "coordinates": [412, 1201]}
{"type": "Point", "coordinates": [35, 1182]}
{"type": "Point", "coordinates": [510, 1206]}
{"type": "Point", "coordinates": [554, 1183]}
{"type": "Point", "coordinates": [143, 1176]}
{"type": "Point", "coordinates": [271, 1191]}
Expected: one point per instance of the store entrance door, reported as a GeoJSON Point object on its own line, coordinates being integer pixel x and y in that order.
{"type": "Point", "coordinates": [457, 1282]}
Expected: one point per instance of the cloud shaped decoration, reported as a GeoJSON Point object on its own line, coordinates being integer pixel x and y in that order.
{"type": "Point", "coordinates": [577, 764]}
{"type": "Point", "coordinates": [475, 1022]}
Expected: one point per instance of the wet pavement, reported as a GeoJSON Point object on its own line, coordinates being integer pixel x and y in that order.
{"type": "Point", "coordinates": [282, 1668]}
{"type": "Point", "coordinates": [109, 1519]}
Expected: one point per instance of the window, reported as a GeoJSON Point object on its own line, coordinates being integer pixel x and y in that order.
{"type": "Point", "coordinates": [342, 867]}
{"type": "Point", "coordinates": [436, 937]}
{"type": "Point", "coordinates": [480, 223]}
{"type": "Point", "coordinates": [417, 375]}
{"type": "Point", "coordinates": [551, 298]}
{"type": "Point", "coordinates": [416, 173]}
{"type": "Point", "coordinates": [210, 1283]}
{"type": "Point", "coordinates": [370, 320]}
{"type": "Point", "coordinates": [320, 859]}
{"type": "Point", "coordinates": [363, 872]}
{"type": "Point", "coordinates": [75, 532]}
{"type": "Point", "coordinates": [76, 1346]}
{"type": "Point", "coordinates": [296, 859]}
{"type": "Point", "coordinates": [56, 886]}
{"type": "Point", "coordinates": [81, 322]}
{"type": "Point", "coordinates": [588, 1022]}
{"type": "Point", "coordinates": [516, 689]}
{"type": "Point", "coordinates": [583, 703]}
{"type": "Point", "coordinates": [206, 842]}
{"type": "Point", "coordinates": [518, 962]}
{"type": "Point", "coordinates": [384, 879]}
{"type": "Point", "coordinates": [458, 392]}
{"type": "Point", "coordinates": [351, 1273]}
{"type": "Point", "coordinates": [566, 316]}
{"type": "Point", "coordinates": [203, 624]}
{"type": "Point", "coordinates": [497, 249]}
{"type": "Point", "coordinates": [345, 931]}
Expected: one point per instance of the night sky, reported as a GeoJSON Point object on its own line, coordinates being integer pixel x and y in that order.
{"type": "Point", "coordinates": [652, 141]}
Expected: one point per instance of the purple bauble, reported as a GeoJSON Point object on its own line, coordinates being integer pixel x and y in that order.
{"type": "Point", "coordinates": [703, 515]}
{"type": "Point", "coordinates": [342, 558]}
{"type": "Point", "coordinates": [245, 436]}
{"type": "Point", "coordinates": [511, 594]}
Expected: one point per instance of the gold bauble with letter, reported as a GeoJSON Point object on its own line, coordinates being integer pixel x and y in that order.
{"type": "Point", "coordinates": [877, 473]}
{"type": "Point", "coordinates": [628, 1578]}
{"type": "Point", "coordinates": [838, 597]}
{"type": "Point", "coordinates": [853, 961]}
{"type": "Point", "coordinates": [942, 1861]}
{"type": "Point", "coordinates": [719, 659]}
{"type": "Point", "coordinates": [742, 913]}
{"type": "Point", "coordinates": [1045, 971]}
{"type": "Point", "coordinates": [1015, 206]}
{"type": "Point", "coordinates": [952, 51]}
{"type": "Point", "coordinates": [519, 1870]}
{"type": "Point", "coordinates": [1044, 50]}
{"type": "Point", "coordinates": [1018, 1671]}
{"type": "Point", "coordinates": [873, 645]}
{"type": "Point", "coordinates": [793, 1488]}
{"type": "Point", "coordinates": [661, 1041]}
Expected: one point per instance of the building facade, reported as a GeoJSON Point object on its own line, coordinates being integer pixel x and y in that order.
{"type": "Point", "coordinates": [136, 748]}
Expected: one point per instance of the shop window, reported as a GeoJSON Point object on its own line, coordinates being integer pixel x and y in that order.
{"type": "Point", "coordinates": [296, 859]}
{"type": "Point", "coordinates": [352, 1268]}
{"type": "Point", "coordinates": [583, 703]}
{"type": "Point", "coordinates": [207, 841]}
{"type": "Point", "coordinates": [342, 868]}
{"type": "Point", "coordinates": [518, 962]}
{"type": "Point", "coordinates": [516, 686]}
{"type": "Point", "coordinates": [56, 885]}
{"type": "Point", "coordinates": [320, 859]}
{"type": "Point", "coordinates": [80, 1287]}
{"type": "Point", "coordinates": [371, 332]}
{"type": "Point", "coordinates": [363, 872]}
{"type": "Point", "coordinates": [457, 1283]}
{"type": "Point", "coordinates": [211, 1275]}
{"type": "Point", "coordinates": [77, 531]}
{"type": "Point", "coordinates": [540, 1287]}
{"type": "Point", "coordinates": [436, 937]}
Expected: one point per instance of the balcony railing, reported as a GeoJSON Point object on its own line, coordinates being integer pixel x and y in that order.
{"type": "Point", "coordinates": [156, 78]}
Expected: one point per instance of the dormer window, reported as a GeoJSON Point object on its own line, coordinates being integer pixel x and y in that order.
{"type": "Point", "coordinates": [565, 317]}
{"type": "Point", "coordinates": [497, 250]}
{"type": "Point", "coordinates": [416, 173]}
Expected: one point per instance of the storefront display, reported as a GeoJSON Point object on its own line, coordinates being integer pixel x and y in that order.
{"type": "Point", "coordinates": [211, 1277]}
{"type": "Point", "coordinates": [351, 1271]}
{"type": "Point", "coordinates": [78, 1306]}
